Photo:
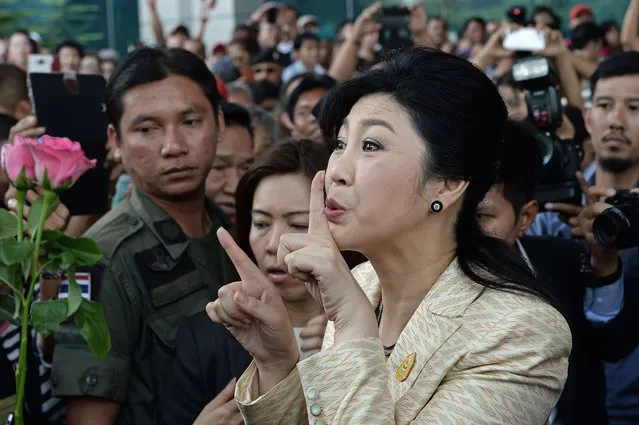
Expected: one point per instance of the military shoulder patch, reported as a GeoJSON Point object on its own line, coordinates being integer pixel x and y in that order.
{"type": "Point", "coordinates": [83, 279]}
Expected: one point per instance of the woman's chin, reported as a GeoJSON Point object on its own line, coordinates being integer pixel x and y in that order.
{"type": "Point", "coordinates": [344, 241]}
{"type": "Point", "coordinates": [293, 290]}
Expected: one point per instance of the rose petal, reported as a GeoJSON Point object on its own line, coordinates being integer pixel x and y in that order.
{"type": "Point", "coordinates": [62, 158]}
{"type": "Point", "coordinates": [15, 158]}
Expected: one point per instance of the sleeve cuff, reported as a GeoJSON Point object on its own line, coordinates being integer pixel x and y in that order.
{"type": "Point", "coordinates": [603, 304]}
{"type": "Point", "coordinates": [264, 409]}
{"type": "Point", "coordinates": [77, 372]}
{"type": "Point", "coordinates": [329, 379]}
{"type": "Point", "coordinates": [600, 282]}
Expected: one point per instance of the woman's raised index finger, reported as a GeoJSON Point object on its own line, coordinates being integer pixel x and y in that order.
{"type": "Point", "coordinates": [317, 223]}
{"type": "Point", "coordinates": [243, 264]}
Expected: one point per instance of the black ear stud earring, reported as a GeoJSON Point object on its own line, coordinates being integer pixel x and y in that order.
{"type": "Point", "coordinates": [436, 206]}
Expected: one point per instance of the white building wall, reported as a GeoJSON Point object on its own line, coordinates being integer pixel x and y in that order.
{"type": "Point", "coordinates": [226, 15]}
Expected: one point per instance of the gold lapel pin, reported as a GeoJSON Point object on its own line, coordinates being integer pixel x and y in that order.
{"type": "Point", "coordinates": [403, 370]}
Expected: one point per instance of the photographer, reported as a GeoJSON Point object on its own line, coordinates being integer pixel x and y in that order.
{"type": "Point", "coordinates": [347, 59]}
{"type": "Point", "coordinates": [506, 213]}
{"type": "Point", "coordinates": [614, 127]}
{"type": "Point", "coordinates": [555, 50]}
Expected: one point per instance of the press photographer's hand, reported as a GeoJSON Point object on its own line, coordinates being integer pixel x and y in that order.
{"type": "Point", "coordinates": [603, 261]}
{"type": "Point", "coordinates": [365, 22]}
{"type": "Point", "coordinates": [555, 44]}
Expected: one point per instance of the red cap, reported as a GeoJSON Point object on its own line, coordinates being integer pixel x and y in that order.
{"type": "Point", "coordinates": [219, 48]}
{"type": "Point", "coordinates": [579, 10]}
{"type": "Point", "coordinates": [221, 87]}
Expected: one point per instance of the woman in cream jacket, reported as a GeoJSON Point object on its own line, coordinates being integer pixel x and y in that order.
{"type": "Point", "coordinates": [444, 325]}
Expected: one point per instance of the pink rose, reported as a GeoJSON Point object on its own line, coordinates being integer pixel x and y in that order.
{"type": "Point", "coordinates": [62, 159]}
{"type": "Point", "coordinates": [17, 156]}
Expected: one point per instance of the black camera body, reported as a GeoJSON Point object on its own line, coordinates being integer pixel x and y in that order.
{"type": "Point", "coordinates": [618, 227]}
{"type": "Point", "coordinates": [517, 15]}
{"type": "Point", "coordinates": [561, 158]}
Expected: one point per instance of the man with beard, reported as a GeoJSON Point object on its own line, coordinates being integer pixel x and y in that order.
{"type": "Point", "coordinates": [613, 123]}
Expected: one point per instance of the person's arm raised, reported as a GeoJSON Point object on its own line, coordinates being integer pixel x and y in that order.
{"type": "Point", "coordinates": [156, 23]}
{"type": "Point", "coordinates": [205, 9]}
{"type": "Point", "coordinates": [630, 28]}
{"type": "Point", "coordinates": [345, 63]}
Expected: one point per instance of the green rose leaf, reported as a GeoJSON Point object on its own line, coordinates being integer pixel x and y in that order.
{"type": "Point", "coordinates": [11, 275]}
{"type": "Point", "coordinates": [46, 316]}
{"type": "Point", "coordinates": [12, 252]}
{"type": "Point", "coordinates": [26, 268]}
{"type": "Point", "coordinates": [67, 261]}
{"type": "Point", "coordinates": [90, 320]}
{"type": "Point", "coordinates": [8, 224]}
{"type": "Point", "coordinates": [75, 293]}
{"type": "Point", "coordinates": [51, 235]}
{"type": "Point", "coordinates": [52, 264]}
{"type": "Point", "coordinates": [36, 210]}
{"type": "Point", "coordinates": [7, 308]}
{"type": "Point", "coordinates": [85, 250]}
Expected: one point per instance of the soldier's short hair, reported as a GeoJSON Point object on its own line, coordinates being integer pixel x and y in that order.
{"type": "Point", "coordinates": [146, 65]}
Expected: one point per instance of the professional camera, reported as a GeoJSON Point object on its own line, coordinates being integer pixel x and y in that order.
{"type": "Point", "coordinates": [618, 227]}
{"type": "Point", "coordinates": [561, 158]}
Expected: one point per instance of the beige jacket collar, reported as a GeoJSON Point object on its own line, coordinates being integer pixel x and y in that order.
{"type": "Point", "coordinates": [434, 321]}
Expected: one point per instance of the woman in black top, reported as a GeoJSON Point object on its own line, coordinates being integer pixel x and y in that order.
{"type": "Point", "coordinates": [272, 199]}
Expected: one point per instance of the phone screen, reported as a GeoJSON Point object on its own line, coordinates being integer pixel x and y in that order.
{"type": "Point", "coordinates": [73, 107]}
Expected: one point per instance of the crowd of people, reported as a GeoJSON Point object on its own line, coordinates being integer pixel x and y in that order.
{"type": "Point", "coordinates": [311, 231]}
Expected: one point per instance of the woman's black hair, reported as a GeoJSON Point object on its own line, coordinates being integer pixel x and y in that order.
{"type": "Point", "coordinates": [300, 156]}
{"type": "Point", "coordinates": [461, 117]}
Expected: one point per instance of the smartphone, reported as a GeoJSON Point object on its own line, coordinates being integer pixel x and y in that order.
{"type": "Point", "coordinates": [525, 40]}
{"type": "Point", "coordinates": [40, 63]}
{"type": "Point", "coordinates": [72, 105]}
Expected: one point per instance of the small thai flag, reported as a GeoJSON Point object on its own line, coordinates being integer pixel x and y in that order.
{"type": "Point", "coordinates": [83, 279]}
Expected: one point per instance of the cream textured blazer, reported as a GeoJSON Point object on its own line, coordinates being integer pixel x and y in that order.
{"type": "Point", "coordinates": [481, 356]}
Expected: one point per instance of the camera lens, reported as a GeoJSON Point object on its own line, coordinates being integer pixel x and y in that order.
{"type": "Point", "coordinates": [611, 228]}
{"type": "Point", "coordinates": [608, 229]}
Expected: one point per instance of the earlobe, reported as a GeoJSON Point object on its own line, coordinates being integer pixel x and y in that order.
{"type": "Point", "coordinates": [527, 217]}
{"type": "Point", "coordinates": [286, 120]}
{"type": "Point", "coordinates": [114, 140]}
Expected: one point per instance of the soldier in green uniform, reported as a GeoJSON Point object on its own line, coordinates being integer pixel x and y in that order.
{"type": "Point", "coordinates": [162, 261]}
